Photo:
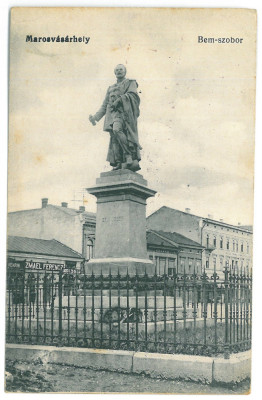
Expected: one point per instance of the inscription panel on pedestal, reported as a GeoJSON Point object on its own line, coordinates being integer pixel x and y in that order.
{"type": "Point", "coordinates": [109, 219]}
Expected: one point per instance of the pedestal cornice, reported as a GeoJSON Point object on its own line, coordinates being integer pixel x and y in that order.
{"type": "Point", "coordinates": [119, 183]}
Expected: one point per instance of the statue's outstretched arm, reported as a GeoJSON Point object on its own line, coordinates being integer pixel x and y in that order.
{"type": "Point", "coordinates": [102, 110]}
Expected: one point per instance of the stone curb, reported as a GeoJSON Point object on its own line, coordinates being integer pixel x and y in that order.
{"type": "Point", "coordinates": [236, 369]}
{"type": "Point", "coordinates": [112, 360]}
{"type": "Point", "coordinates": [170, 366]}
{"type": "Point", "coordinates": [174, 366]}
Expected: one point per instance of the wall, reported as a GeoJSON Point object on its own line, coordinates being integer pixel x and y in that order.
{"type": "Point", "coordinates": [170, 220]}
{"type": "Point", "coordinates": [48, 223]}
{"type": "Point", "coordinates": [241, 258]}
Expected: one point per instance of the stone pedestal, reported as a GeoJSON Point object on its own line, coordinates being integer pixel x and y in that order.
{"type": "Point", "coordinates": [121, 223]}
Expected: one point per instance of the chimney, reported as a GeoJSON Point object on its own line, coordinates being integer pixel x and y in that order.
{"type": "Point", "coordinates": [210, 216]}
{"type": "Point", "coordinates": [64, 204]}
{"type": "Point", "coordinates": [82, 208]}
{"type": "Point", "coordinates": [187, 210]}
{"type": "Point", "coordinates": [239, 223]}
{"type": "Point", "coordinates": [44, 202]}
{"type": "Point", "coordinates": [221, 220]}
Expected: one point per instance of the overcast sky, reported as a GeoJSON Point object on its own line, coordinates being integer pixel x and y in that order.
{"type": "Point", "coordinates": [197, 106]}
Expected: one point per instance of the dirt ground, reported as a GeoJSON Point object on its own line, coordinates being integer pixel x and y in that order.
{"type": "Point", "coordinates": [25, 377]}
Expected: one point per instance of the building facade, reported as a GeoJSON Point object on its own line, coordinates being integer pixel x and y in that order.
{"type": "Point", "coordinates": [38, 255]}
{"type": "Point", "coordinates": [224, 244]}
{"type": "Point", "coordinates": [76, 229]}
{"type": "Point", "coordinates": [172, 251]}
{"type": "Point", "coordinates": [33, 270]}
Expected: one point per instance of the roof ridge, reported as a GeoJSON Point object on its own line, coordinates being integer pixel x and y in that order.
{"type": "Point", "coordinates": [31, 209]}
{"type": "Point", "coordinates": [156, 211]}
{"type": "Point", "coordinates": [165, 238]}
{"type": "Point", "coordinates": [193, 242]}
{"type": "Point", "coordinates": [205, 219]}
{"type": "Point", "coordinates": [63, 209]}
{"type": "Point", "coordinates": [64, 245]}
{"type": "Point", "coordinates": [27, 237]}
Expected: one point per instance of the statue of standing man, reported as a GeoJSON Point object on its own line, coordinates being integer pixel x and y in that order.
{"type": "Point", "coordinates": [121, 110]}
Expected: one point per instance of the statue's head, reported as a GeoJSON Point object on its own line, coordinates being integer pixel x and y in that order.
{"type": "Point", "coordinates": [120, 71]}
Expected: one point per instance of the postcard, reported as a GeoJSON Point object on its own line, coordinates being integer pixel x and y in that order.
{"type": "Point", "coordinates": [130, 200]}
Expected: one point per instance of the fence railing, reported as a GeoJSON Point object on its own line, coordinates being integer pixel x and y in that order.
{"type": "Point", "coordinates": [188, 314]}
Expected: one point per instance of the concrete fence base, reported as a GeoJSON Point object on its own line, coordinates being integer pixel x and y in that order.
{"type": "Point", "coordinates": [169, 366]}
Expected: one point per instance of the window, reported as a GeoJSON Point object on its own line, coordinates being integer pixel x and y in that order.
{"type": "Point", "coordinates": [221, 243]}
{"type": "Point", "coordinates": [190, 266]}
{"type": "Point", "coordinates": [215, 241]}
{"type": "Point", "coordinates": [207, 264]}
{"type": "Point", "coordinates": [207, 241]}
{"type": "Point", "coordinates": [171, 266]}
{"type": "Point", "coordinates": [234, 245]}
{"type": "Point", "coordinates": [89, 249]}
{"type": "Point", "coordinates": [182, 265]}
{"type": "Point", "coordinates": [242, 248]}
{"type": "Point", "coordinates": [198, 267]}
{"type": "Point", "coordinates": [162, 266]}
{"type": "Point", "coordinates": [247, 248]}
{"type": "Point", "coordinates": [227, 244]}
{"type": "Point", "coordinates": [214, 262]}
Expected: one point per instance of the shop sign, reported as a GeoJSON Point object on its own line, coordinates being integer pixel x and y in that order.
{"type": "Point", "coordinates": [68, 268]}
{"type": "Point", "coordinates": [14, 264]}
{"type": "Point", "coordinates": [44, 266]}
{"type": "Point", "coordinates": [69, 271]}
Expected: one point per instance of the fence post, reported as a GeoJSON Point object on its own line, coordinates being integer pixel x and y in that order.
{"type": "Point", "coordinates": [214, 277]}
{"type": "Point", "coordinates": [204, 279]}
{"type": "Point", "coordinates": [175, 307]}
{"type": "Point", "coordinates": [155, 309]}
{"type": "Point", "coordinates": [250, 304]}
{"type": "Point", "coordinates": [60, 305]}
{"type": "Point", "coordinates": [194, 304]}
{"type": "Point", "coordinates": [226, 352]}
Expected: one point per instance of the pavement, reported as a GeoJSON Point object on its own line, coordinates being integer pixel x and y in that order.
{"type": "Point", "coordinates": [39, 377]}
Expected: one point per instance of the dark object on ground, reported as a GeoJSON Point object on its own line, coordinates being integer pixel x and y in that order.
{"type": "Point", "coordinates": [21, 378]}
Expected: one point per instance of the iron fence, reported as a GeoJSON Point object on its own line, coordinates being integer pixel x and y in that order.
{"type": "Point", "coordinates": [188, 314]}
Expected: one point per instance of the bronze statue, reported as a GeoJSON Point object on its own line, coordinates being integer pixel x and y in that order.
{"type": "Point", "coordinates": [121, 110]}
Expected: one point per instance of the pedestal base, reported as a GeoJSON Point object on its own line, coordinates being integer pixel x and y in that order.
{"type": "Point", "coordinates": [122, 265]}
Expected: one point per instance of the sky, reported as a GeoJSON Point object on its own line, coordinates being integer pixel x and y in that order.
{"type": "Point", "coordinates": [197, 109]}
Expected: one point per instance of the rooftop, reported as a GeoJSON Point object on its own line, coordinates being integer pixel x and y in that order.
{"type": "Point", "coordinates": [245, 228]}
{"type": "Point", "coordinates": [170, 239]}
{"type": "Point", "coordinates": [70, 211]}
{"type": "Point", "coordinates": [18, 244]}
